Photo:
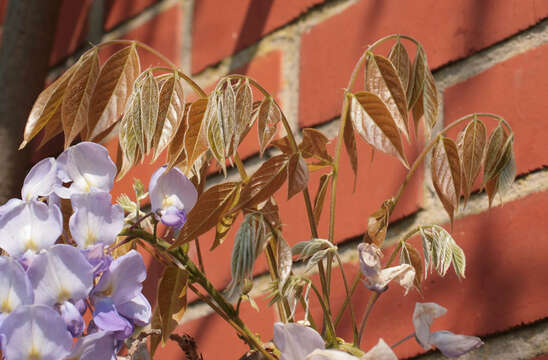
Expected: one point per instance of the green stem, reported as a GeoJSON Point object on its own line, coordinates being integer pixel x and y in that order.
{"type": "Point", "coordinates": [241, 168]}
{"type": "Point", "coordinates": [408, 337]}
{"type": "Point", "coordinates": [283, 306]}
{"type": "Point", "coordinates": [372, 300]}
{"type": "Point", "coordinates": [348, 296]}
{"type": "Point", "coordinates": [199, 253]}
{"type": "Point", "coordinates": [310, 213]}
{"type": "Point", "coordinates": [183, 261]}
{"type": "Point", "coordinates": [331, 337]}
{"type": "Point", "coordinates": [355, 283]}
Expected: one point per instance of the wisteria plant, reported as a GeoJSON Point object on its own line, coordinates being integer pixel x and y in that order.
{"type": "Point", "coordinates": [71, 272]}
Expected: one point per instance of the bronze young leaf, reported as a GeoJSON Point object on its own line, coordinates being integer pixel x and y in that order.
{"type": "Point", "coordinates": [47, 107]}
{"type": "Point", "coordinates": [382, 79]}
{"type": "Point", "coordinates": [297, 175]}
{"type": "Point", "coordinates": [314, 145]}
{"type": "Point", "coordinates": [400, 59]}
{"type": "Point", "coordinates": [377, 224]}
{"type": "Point", "coordinates": [113, 88]}
{"type": "Point", "coordinates": [195, 140]}
{"type": "Point", "coordinates": [209, 208]}
{"type": "Point", "coordinates": [131, 135]}
{"type": "Point", "coordinates": [320, 196]}
{"type": "Point", "coordinates": [350, 146]}
{"type": "Point", "coordinates": [244, 109]}
{"type": "Point", "coordinates": [471, 149]}
{"type": "Point", "coordinates": [226, 222]}
{"type": "Point", "coordinates": [264, 182]}
{"type": "Point", "coordinates": [75, 106]}
{"type": "Point", "coordinates": [215, 136]}
{"type": "Point", "coordinates": [446, 174]}
{"type": "Point", "coordinates": [150, 101]}
{"type": "Point", "coordinates": [410, 255]}
{"type": "Point", "coordinates": [268, 117]}
{"type": "Point", "coordinates": [176, 154]}
{"type": "Point", "coordinates": [170, 112]}
{"type": "Point", "coordinates": [374, 123]}
{"type": "Point", "coordinates": [171, 299]}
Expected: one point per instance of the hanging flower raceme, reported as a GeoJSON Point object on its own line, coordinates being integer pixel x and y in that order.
{"type": "Point", "coordinates": [377, 279]}
{"type": "Point", "coordinates": [172, 196]}
{"type": "Point", "coordinates": [119, 303]}
{"type": "Point", "coordinates": [451, 345]}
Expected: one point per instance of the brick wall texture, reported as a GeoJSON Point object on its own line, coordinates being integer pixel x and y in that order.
{"type": "Point", "coordinates": [486, 55]}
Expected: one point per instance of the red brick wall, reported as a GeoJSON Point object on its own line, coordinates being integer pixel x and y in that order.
{"type": "Point", "coordinates": [487, 56]}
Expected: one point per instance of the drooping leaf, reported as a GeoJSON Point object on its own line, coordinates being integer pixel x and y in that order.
{"type": "Point", "coordinates": [112, 89]}
{"type": "Point", "coordinates": [410, 255]}
{"type": "Point", "coordinates": [418, 76]}
{"type": "Point", "coordinates": [430, 101]}
{"type": "Point", "coordinates": [377, 224]}
{"type": "Point", "coordinates": [374, 123]}
{"type": "Point", "coordinates": [264, 182]}
{"type": "Point", "coordinates": [75, 105]}
{"type": "Point", "coordinates": [195, 141]}
{"type": "Point", "coordinates": [285, 261]}
{"type": "Point", "coordinates": [283, 145]}
{"type": "Point", "coordinates": [350, 146]}
{"type": "Point", "coordinates": [268, 117]}
{"type": "Point", "coordinates": [176, 150]}
{"type": "Point", "coordinates": [314, 145]}
{"type": "Point", "coordinates": [131, 137]}
{"type": "Point", "coordinates": [53, 128]}
{"type": "Point", "coordinates": [423, 98]}
{"type": "Point", "coordinates": [170, 112]}
{"type": "Point", "coordinates": [471, 149]}
{"type": "Point", "coordinates": [271, 213]}
{"type": "Point", "coordinates": [244, 110]}
{"type": "Point", "coordinates": [400, 59]}
{"type": "Point", "coordinates": [297, 175]}
{"type": "Point", "coordinates": [446, 174]}
{"type": "Point", "coordinates": [150, 101]}
{"type": "Point", "coordinates": [440, 250]}
{"type": "Point", "coordinates": [171, 299]}
{"type": "Point", "coordinates": [247, 244]}
{"type": "Point", "coordinates": [46, 107]}
{"type": "Point", "coordinates": [209, 208]}
{"type": "Point", "coordinates": [382, 79]}
{"type": "Point", "coordinates": [504, 171]}
{"type": "Point", "coordinates": [215, 136]}
{"type": "Point", "coordinates": [155, 323]}
{"type": "Point", "coordinates": [227, 113]}
{"type": "Point", "coordinates": [225, 223]}
{"type": "Point", "coordinates": [320, 196]}
{"type": "Point", "coordinates": [493, 153]}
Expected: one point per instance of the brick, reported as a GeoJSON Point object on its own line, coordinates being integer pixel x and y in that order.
{"type": "Point", "coordinates": [330, 49]}
{"type": "Point", "coordinates": [117, 11]}
{"type": "Point", "coordinates": [222, 28]}
{"type": "Point", "coordinates": [72, 27]}
{"type": "Point", "coordinates": [509, 89]}
{"type": "Point", "coordinates": [162, 33]}
{"type": "Point", "coordinates": [216, 339]}
{"type": "Point", "coordinates": [542, 357]}
{"type": "Point", "coordinates": [504, 287]}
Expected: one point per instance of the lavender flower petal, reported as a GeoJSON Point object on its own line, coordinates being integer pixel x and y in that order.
{"type": "Point", "coordinates": [15, 286]}
{"type": "Point", "coordinates": [97, 258]}
{"type": "Point", "coordinates": [97, 346]}
{"type": "Point", "coordinates": [88, 166]}
{"type": "Point", "coordinates": [35, 332]}
{"type": "Point", "coordinates": [423, 316]}
{"type": "Point", "coordinates": [381, 351]}
{"type": "Point", "coordinates": [95, 220]}
{"type": "Point", "coordinates": [72, 318]}
{"type": "Point", "coordinates": [30, 226]}
{"type": "Point", "coordinates": [296, 341]}
{"type": "Point", "coordinates": [107, 318]}
{"type": "Point", "coordinates": [59, 274]}
{"type": "Point", "coordinates": [40, 180]}
{"type": "Point", "coordinates": [330, 355]}
{"type": "Point", "coordinates": [122, 281]}
{"type": "Point", "coordinates": [137, 310]}
{"type": "Point", "coordinates": [9, 205]}
{"type": "Point", "coordinates": [453, 345]}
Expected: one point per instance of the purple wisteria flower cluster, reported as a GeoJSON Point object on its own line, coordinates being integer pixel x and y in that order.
{"type": "Point", "coordinates": [57, 269]}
